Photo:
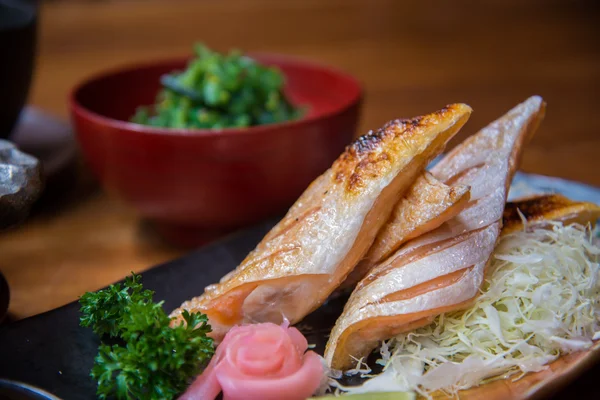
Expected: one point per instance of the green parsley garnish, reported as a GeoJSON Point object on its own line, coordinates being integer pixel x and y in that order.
{"type": "Point", "coordinates": [144, 357]}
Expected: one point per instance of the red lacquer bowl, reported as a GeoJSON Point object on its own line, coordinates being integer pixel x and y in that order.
{"type": "Point", "coordinates": [196, 184]}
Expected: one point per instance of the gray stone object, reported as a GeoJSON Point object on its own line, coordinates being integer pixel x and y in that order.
{"type": "Point", "coordinates": [20, 184]}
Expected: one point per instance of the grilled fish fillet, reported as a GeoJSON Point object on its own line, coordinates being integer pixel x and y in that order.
{"type": "Point", "coordinates": [443, 269]}
{"type": "Point", "coordinates": [552, 207]}
{"type": "Point", "coordinates": [331, 226]}
{"type": "Point", "coordinates": [427, 204]}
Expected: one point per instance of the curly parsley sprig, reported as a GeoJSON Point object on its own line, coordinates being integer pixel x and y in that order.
{"type": "Point", "coordinates": [146, 359]}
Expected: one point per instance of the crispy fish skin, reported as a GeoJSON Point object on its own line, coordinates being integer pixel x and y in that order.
{"type": "Point", "coordinates": [443, 269]}
{"type": "Point", "coordinates": [426, 205]}
{"type": "Point", "coordinates": [331, 226]}
{"type": "Point", "coordinates": [552, 207]}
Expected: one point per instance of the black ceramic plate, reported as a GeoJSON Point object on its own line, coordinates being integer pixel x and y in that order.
{"type": "Point", "coordinates": [52, 352]}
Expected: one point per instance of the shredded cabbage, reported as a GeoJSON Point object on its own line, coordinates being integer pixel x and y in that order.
{"type": "Point", "coordinates": [539, 300]}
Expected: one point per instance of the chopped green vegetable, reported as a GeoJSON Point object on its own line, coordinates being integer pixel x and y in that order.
{"type": "Point", "coordinates": [145, 359]}
{"type": "Point", "coordinates": [219, 91]}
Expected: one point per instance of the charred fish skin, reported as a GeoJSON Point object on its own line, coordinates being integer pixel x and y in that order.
{"type": "Point", "coordinates": [443, 269]}
{"type": "Point", "coordinates": [549, 207]}
{"type": "Point", "coordinates": [331, 226]}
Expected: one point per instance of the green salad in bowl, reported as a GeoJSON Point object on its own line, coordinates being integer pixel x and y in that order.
{"type": "Point", "coordinates": [219, 91]}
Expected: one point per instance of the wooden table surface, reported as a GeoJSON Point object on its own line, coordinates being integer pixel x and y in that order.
{"type": "Point", "coordinates": [412, 57]}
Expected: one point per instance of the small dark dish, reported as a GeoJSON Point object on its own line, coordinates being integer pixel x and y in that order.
{"type": "Point", "coordinates": [197, 184]}
{"type": "Point", "coordinates": [18, 23]}
{"type": "Point", "coordinates": [20, 184]}
{"type": "Point", "coordinates": [13, 390]}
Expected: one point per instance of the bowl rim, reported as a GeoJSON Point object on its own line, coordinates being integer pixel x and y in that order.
{"type": "Point", "coordinates": [77, 108]}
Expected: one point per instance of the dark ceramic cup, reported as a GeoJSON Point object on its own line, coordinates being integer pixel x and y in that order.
{"type": "Point", "coordinates": [18, 23]}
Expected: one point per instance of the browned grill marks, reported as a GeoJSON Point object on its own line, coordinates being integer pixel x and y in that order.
{"type": "Point", "coordinates": [534, 207]}
{"type": "Point", "coordinates": [548, 207]}
{"type": "Point", "coordinates": [425, 287]}
{"type": "Point", "coordinates": [405, 258]}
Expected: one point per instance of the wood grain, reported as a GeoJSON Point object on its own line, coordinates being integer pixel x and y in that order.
{"type": "Point", "coordinates": [412, 57]}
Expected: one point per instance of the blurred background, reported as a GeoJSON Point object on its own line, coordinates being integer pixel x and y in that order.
{"type": "Point", "coordinates": [412, 57]}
